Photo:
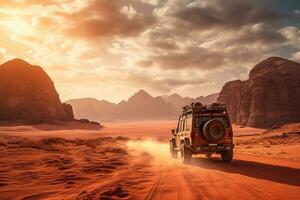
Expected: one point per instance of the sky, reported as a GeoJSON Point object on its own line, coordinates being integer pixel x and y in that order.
{"type": "Point", "coordinates": [110, 49]}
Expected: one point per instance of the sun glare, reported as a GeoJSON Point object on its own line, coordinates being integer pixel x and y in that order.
{"type": "Point", "coordinates": [17, 27]}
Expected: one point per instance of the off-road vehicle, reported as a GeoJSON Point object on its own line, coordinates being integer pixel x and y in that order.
{"type": "Point", "coordinates": [203, 130]}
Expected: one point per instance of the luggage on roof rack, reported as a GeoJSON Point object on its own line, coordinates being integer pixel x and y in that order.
{"type": "Point", "coordinates": [197, 107]}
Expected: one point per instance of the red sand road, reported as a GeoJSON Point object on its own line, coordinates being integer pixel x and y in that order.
{"type": "Point", "coordinates": [242, 179]}
{"type": "Point", "coordinates": [151, 173]}
{"type": "Point", "coordinates": [247, 177]}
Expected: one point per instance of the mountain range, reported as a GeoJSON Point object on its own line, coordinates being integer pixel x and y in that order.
{"type": "Point", "coordinates": [178, 101]}
{"type": "Point", "coordinates": [269, 98]}
{"type": "Point", "coordinates": [140, 106]}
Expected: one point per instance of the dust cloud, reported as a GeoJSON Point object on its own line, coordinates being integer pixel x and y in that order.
{"type": "Point", "coordinates": [158, 150]}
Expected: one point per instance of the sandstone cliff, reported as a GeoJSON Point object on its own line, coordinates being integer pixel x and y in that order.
{"type": "Point", "coordinates": [270, 97]}
{"type": "Point", "coordinates": [27, 94]}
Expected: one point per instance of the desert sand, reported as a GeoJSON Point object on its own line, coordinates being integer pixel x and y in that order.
{"type": "Point", "coordinates": [131, 161]}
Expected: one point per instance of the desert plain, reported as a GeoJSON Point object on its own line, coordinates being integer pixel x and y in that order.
{"type": "Point", "coordinates": [130, 160]}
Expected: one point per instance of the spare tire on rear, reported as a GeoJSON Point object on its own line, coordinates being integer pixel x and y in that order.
{"type": "Point", "coordinates": [214, 130]}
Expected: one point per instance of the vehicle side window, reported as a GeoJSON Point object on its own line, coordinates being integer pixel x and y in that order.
{"type": "Point", "coordinates": [188, 123]}
{"type": "Point", "coordinates": [180, 126]}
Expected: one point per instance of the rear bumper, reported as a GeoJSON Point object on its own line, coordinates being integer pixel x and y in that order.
{"type": "Point", "coordinates": [211, 148]}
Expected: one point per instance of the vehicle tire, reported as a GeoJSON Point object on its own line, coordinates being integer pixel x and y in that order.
{"type": "Point", "coordinates": [214, 130]}
{"type": "Point", "coordinates": [185, 154]}
{"type": "Point", "coordinates": [227, 155]}
{"type": "Point", "coordinates": [173, 152]}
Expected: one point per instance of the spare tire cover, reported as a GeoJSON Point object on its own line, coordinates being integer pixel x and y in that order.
{"type": "Point", "coordinates": [214, 130]}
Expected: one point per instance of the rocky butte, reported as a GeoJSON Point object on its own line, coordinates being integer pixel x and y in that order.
{"type": "Point", "coordinates": [27, 94]}
{"type": "Point", "coordinates": [270, 97]}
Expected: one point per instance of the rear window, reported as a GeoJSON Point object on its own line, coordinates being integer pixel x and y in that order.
{"type": "Point", "coordinates": [200, 121]}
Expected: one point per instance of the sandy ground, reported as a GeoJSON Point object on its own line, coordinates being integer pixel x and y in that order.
{"type": "Point", "coordinates": [283, 143]}
{"type": "Point", "coordinates": [131, 161]}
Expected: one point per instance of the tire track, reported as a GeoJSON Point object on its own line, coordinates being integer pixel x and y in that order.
{"type": "Point", "coordinates": [171, 184]}
{"type": "Point", "coordinates": [154, 189]}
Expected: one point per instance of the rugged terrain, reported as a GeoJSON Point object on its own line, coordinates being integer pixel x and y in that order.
{"type": "Point", "coordinates": [270, 96]}
{"type": "Point", "coordinates": [131, 161]}
{"type": "Point", "coordinates": [27, 94]}
{"type": "Point", "coordinates": [283, 142]}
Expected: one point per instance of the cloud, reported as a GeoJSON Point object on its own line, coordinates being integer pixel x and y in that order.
{"type": "Point", "coordinates": [190, 57]}
{"type": "Point", "coordinates": [162, 84]}
{"type": "Point", "coordinates": [3, 54]}
{"type": "Point", "coordinates": [8, 3]}
{"type": "Point", "coordinates": [179, 82]}
{"type": "Point", "coordinates": [144, 63]}
{"type": "Point", "coordinates": [106, 19]}
{"type": "Point", "coordinates": [258, 33]}
{"type": "Point", "coordinates": [46, 22]}
{"type": "Point", "coordinates": [292, 35]}
{"type": "Point", "coordinates": [27, 3]}
{"type": "Point", "coordinates": [151, 2]}
{"type": "Point", "coordinates": [160, 37]}
{"type": "Point", "coordinates": [204, 51]}
{"type": "Point", "coordinates": [296, 56]}
{"type": "Point", "coordinates": [209, 34]}
{"type": "Point", "coordinates": [206, 14]}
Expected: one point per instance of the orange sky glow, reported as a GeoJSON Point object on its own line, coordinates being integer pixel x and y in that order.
{"type": "Point", "coordinates": [109, 49]}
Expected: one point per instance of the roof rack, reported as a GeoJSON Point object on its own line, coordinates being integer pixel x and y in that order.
{"type": "Point", "coordinates": [197, 107]}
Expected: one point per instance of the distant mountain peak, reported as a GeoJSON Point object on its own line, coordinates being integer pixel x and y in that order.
{"type": "Point", "coordinates": [140, 106]}
{"type": "Point", "coordinates": [141, 94]}
{"type": "Point", "coordinates": [175, 95]}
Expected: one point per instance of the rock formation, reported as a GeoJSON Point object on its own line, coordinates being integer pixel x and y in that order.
{"type": "Point", "coordinates": [270, 97]}
{"type": "Point", "coordinates": [27, 94]}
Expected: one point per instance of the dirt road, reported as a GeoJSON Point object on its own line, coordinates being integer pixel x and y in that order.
{"type": "Point", "coordinates": [213, 180]}
{"type": "Point", "coordinates": [153, 175]}
{"type": "Point", "coordinates": [83, 164]}
{"type": "Point", "coordinates": [247, 177]}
